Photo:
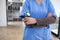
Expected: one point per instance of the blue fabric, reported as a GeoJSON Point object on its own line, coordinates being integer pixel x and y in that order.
{"type": "Point", "coordinates": [37, 11]}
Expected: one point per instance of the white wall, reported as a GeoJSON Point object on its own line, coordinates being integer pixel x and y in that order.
{"type": "Point", "coordinates": [56, 4]}
{"type": "Point", "coordinates": [3, 20]}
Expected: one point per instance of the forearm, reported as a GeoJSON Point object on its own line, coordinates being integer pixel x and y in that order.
{"type": "Point", "coordinates": [45, 21]}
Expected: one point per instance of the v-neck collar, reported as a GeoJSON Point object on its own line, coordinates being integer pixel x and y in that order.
{"type": "Point", "coordinates": [37, 3]}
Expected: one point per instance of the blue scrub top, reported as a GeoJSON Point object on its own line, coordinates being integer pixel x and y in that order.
{"type": "Point", "coordinates": [37, 11]}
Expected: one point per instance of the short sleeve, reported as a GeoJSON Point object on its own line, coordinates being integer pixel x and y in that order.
{"type": "Point", "coordinates": [51, 8]}
{"type": "Point", "coordinates": [25, 8]}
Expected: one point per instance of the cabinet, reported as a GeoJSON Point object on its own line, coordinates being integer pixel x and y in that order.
{"type": "Point", "coordinates": [13, 9]}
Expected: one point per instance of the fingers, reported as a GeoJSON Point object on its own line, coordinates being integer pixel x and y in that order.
{"type": "Point", "coordinates": [26, 20]}
{"type": "Point", "coordinates": [49, 15]}
{"type": "Point", "coordinates": [27, 23]}
{"type": "Point", "coordinates": [29, 20]}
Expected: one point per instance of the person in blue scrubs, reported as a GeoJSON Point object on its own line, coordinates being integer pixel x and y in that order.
{"type": "Point", "coordinates": [41, 15]}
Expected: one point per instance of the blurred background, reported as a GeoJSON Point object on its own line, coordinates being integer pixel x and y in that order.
{"type": "Point", "coordinates": [12, 27]}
